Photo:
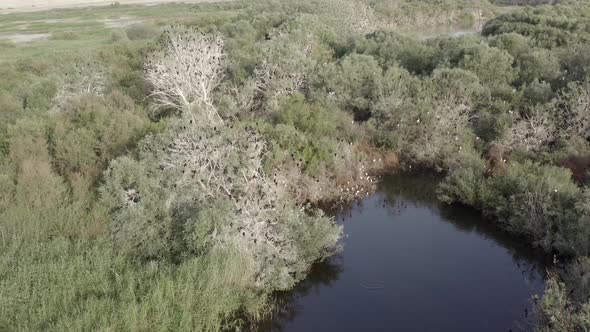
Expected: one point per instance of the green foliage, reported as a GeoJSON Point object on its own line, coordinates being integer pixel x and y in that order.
{"type": "Point", "coordinates": [142, 31]}
{"type": "Point", "coordinates": [491, 65]}
{"type": "Point", "coordinates": [494, 122]}
{"type": "Point", "coordinates": [515, 44]}
{"type": "Point", "coordinates": [575, 60]}
{"type": "Point", "coordinates": [118, 35]}
{"type": "Point", "coordinates": [538, 64]}
{"type": "Point", "coordinates": [140, 221]}
{"type": "Point", "coordinates": [92, 287]}
{"type": "Point", "coordinates": [535, 201]}
{"type": "Point", "coordinates": [39, 95]}
{"type": "Point", "coordinates": [408, 14]}
{"type": "Point", "coordinates": [549, 26]}
{"type": "Point", "coordinates": [463, 185]}
{"type": "Point", "coordinates": [577, 278]}
{"type": "Point", "coordinates": [354, 83]}
{"type": "Point", "coordinates": [431, 127]}
{"type": "Point", "coordinates": [393, 49]}
{"type": "Point", "coordinates": [314, 120]}
{"type": "Point", "coordinates": [10, 109]}
{"type": "Point", "coordinates": [311, 133]}
{"type": "Point", "coordinates": [556, 313]}
{"type": "Point", "coordinates": [537, 93]}
{"type": "Point", "coordinates": [102, 127]}
{"type": "Point", "coordinates": [64, 35]}
{"type": "Point", "coordinates": [37, 184]}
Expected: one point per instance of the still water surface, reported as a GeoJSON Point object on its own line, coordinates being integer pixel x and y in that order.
{"type": "Point", "coordinates": [411, 264]}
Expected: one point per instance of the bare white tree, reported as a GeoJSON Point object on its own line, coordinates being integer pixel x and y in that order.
{"type": "Point", "coordinates": [83, 78]}
{"type": "Point", "coordinates": [208, 162]}
{"type": "Point", "coordinates": [275, 81]}
{"type": "Point", "coordinates": [185, 73]}
{"type": "Point", "coordinates": [531, 132]}
{"type": "Point", "coordinates": [440, 130]}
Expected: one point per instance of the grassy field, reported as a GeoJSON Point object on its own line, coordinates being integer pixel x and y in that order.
{"type": "Point", "coordinates": [55, 32]}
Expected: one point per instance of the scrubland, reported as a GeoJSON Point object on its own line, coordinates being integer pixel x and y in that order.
{"type": "Point", "coordinates": [165, 174]}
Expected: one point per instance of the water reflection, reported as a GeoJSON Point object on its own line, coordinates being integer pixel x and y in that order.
{"type": "Point", "coordinates": [323, 274]}
{"type": "Point", "coordinates": [438, 268]}
{"type": "Point", "coordinates": [420, 190]}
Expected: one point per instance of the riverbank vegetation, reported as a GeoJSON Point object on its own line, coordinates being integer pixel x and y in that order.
{"type": "Point", "coordinates": [165, 177]}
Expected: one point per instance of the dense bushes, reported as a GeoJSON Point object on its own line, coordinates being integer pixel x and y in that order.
{"type": "Point", "coordinates": [142, 31]}
{"type": "Point", "coordinates": [548, 26]}
{"type": "Point", "coordinates": [64, 35]}
{"type": "Point", "coordinates": [192, 192]}
{"type": "Point", "coordinates": [407, 14]}
{"type": "Point", "coordinates": [556, 312]}
{"type": "Point", "coordinates": [102, 127]}
{"type": "Point", "coordinates": [538, 202]}
{"type": "Point", "coordinates": [431, 127]}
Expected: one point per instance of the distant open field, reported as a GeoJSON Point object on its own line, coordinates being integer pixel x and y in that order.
{"type": "Point", "coordinates": [12, 6]}
{"type": "Point", "coordinates": [86, 25]}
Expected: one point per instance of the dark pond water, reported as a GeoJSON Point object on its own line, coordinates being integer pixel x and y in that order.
{"type": "Point", "coordinates": [411, 264]}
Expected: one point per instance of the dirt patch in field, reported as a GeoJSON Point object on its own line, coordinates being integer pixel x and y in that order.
{"type": "Point", "coordinates": [120, 22]}
{"type": "Point", "coordinates": [24, 37]}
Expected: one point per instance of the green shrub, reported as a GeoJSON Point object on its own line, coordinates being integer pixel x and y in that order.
{"type": "Point", "coordinates": [392, 49]}
{"type": "Point", "coordinates": [10, 110]}
{"type": "Point", "coordinates": [118, 35]}
{"type": "Point", "coordinates": [575, 60]}
{"type": "Point", "coordinates": [537, 93]}
{"type": "Point", "coordinates": [491, 65]}
{"type": "Point", "coordinates": [311, 135]}
{"type": "Point", "coordinates": [40, 94]}
{"type": "Point", "coordinates": [355, 83]}
{"type": "Point", "coordinates": [557, 313]}
{"type": "Point", "coordinates": [64, 35]}
{"type": "Point", "coordinates": [90, 131]}
{"type": "Point", "coordinates": [548, 26]}
{"type": "Point", "coordinates": [142, 31]}
{"type": "Point", "coordinates": [141, 223]}
{"type": "Point", "coordinates": [314, 120]}
{"type": "Point", "coordinates": [538, 64]}
{"type": "Point", "coordinates": [432, 126]}
{"type": "Point", "coordinates": [494, 122]}
{"type": "Point", "coordinates": [463, 185]}
{"type": "Point", "coordinates": [531, 200]}
{"type": "Point", "coordinates": [576, 275]}
{"type": "Point", "coordinates": [515, 44]}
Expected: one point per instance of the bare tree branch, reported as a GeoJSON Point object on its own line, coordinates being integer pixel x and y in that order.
{"type": "Point", "coordinates": [531, 132]}
{"type": "Point", "coordinates": [185, 73]}
{"type": "Point", "coordinates": [81, 79]}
